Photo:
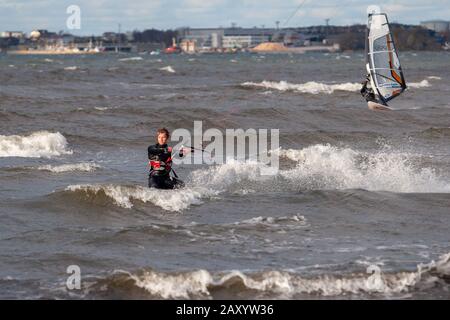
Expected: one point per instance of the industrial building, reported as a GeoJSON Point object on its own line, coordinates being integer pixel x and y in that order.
{"type": "Point", "coordinates": [224, 38]}
{"type": "Point", "coordinates": [436, 25]}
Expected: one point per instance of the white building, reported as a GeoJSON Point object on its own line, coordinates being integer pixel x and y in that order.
{"type": "Point", "coordinates": [229, 42]}
{"type": "Point", "coordinates": [12, 34]}
{"type": "Point", "coordinates": [436, 25]}
{"type": "Point", "coordinates": [227, 38]}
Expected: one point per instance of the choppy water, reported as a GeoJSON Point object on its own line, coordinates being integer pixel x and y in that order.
{"type": "Point", "coordinates": [356, 188]}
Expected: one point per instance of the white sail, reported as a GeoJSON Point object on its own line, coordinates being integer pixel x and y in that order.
{"type": "Point", "coordinates": [383, 63]}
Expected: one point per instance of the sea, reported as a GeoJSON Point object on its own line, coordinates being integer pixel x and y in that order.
{"type": "Point", "coordinates": [359, 208]}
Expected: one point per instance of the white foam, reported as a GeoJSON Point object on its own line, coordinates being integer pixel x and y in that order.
{"type": "Point", "coordinates": [221, 177]}
{"type": "Point", "coordinates": [36, 145]}
{"type": "Point", "coordinates": [328, 167]}
{"type": "Point", "coordinates": [132, 59]}
{"type": "Point", "coordinates": [434, 78]}
{"type": "Point", "coordinates": [48, 60]}
{"type": "Point", "coordinates": [318, 167]}
{"type": "Point", "coordinates": [311, 87]}
{"type": "Point", "coordinates": [170, 200]}
{"type": "Point", "coordinates": [83, 167]}
{"type": "Point", "coordinates": [339, 57]}
{"type": "Point", "coordinates": [175, 286]}
{"type": "Point", "coordinates": [72, 68]}
{"type": "Point", "coordinates": [101, 108]}
{"type": "Point", "coordinates": [200, 283]}
{"type": "Point", "coordinates": [168, 69]}
{"type": "Point", "coordinates": [272, 220]}
{"type": "Point", "coordinates": [422, 84]}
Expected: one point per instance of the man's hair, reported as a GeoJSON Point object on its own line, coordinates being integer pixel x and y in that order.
{"type": "Point", "coordinates": [162, 130]}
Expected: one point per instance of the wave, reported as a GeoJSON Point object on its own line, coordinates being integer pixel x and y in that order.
{"type": "Point", "coordinates": [325, 167]}
{"type": "Point", "coordinates": [168, 69]}
{"type": "Point", "coordinates": [201, 284]}
{"type": "Point", "coordinates": [318, 167]}
{"type": "Point", "coordinates": [311, 87]}
{"type": "Point", "coordinates": [83, 167]}
{"type": "Point", "coordinates": [272, 220]}
{"type": "Point", "coordinates": [73, 68]}
{"type": "Point", "coordinates": [132, 59]}
{"type": "Point", "coordinates": [36, 145]}
{"type": "Point", "coordinates": [123, 196]}
{"type": "Point", "coordinates": [328, 167]}
{"type": "Point", "coordinates": [434, 132]}
{"type": "Point", "coordinates": [102, 108]}
{"type": "Point", "coordinates": [422, 84]}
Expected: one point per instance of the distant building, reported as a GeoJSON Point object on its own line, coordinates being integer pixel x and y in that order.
{"type": "Point", "coordinates": [129, 36]}
{"type": "Point", "coordinates": [230, 42]}
{"type": "Point", "coordinates": [203, 37]}
{"type": "Point", "coordinates": [436, 25]}
{"type": "Point", "coordinates": [12, 34]}
{"type": "Point", "coordinates": [227, 38]}
{"type": "Point", "coordinates": [188, 46]}
{"type": "Point", "coordinates": [246, 37]}
{"type": "Point", "coordinates": [110, 36]}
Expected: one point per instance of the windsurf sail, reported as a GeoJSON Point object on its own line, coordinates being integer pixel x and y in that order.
{"type": "Point", "coordinates": [382, 62]}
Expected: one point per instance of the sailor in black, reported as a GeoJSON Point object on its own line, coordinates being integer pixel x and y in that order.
{"type": "Point", "coordinates": [368, 93]}
{"type": "Point", "coordinates": [160, 156]}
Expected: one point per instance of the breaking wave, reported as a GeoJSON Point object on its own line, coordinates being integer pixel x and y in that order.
{"type": "Point", "coordinates": [311, 87]}
{"type": "Point", "coordinates": [318, 167]}
{"type": "Point", "coordinates": [83, 167]}
{"type": "Point", "coordinates": [132, 59]}
{"type": "Point", "coordinates": [201, 284]}
{"type": "Point", "coordinates": [123, 196]}
{"type": "Point", "coordinates": [168, 69]}
{"type": "Point", "coordinates": [36, 145]}
{"type": "Point", "coordinates": [422, 84]}
{"type": "Point", "coordinates": [328, 167]}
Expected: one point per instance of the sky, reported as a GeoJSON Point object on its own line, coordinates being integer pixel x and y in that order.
{"type": "Point", "coordinates": [98, 16]}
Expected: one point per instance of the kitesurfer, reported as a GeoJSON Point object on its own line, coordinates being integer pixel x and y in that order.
{"type": "Point", "coordinates": [160, 156]}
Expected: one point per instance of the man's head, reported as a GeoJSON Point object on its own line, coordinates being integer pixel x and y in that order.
{"type": "Point", "coordinates": [162, 135]}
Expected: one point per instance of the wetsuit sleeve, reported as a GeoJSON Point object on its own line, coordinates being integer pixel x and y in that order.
{"type": "Point", "coordinates": [364, 88]}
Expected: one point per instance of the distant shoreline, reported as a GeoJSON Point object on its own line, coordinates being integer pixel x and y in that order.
{"type": "Point", "coordinates": [48, 52]}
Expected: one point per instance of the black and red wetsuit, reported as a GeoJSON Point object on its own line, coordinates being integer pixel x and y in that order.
{"type": "Point", "coordinates": [160, 157]}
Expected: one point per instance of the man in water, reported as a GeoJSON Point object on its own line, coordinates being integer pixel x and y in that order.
{"type": "Point", "coordinates": [368, 94]}
{"type": "Point", "coordinates": [160, 156]}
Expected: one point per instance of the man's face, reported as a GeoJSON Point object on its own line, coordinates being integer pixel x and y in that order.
{"type": "Point", "coordinates": [162, 138]}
